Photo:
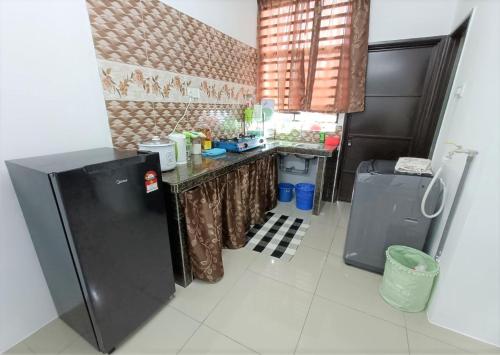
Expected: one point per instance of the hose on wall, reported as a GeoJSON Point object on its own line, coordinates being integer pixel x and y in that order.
{"type": "Point", "coordinates": [458, 150]}
{"type": "Point", "coordinates": [426, 195]}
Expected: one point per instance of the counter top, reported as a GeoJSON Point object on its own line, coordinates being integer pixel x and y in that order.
{"type": "Point", "coordinates": [200, 169]}
{"type": "Point", "coordinates": [318, 149]}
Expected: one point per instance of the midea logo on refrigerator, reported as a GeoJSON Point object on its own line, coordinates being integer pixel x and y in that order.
{"type": "Point", "coordinates": [121, 181]}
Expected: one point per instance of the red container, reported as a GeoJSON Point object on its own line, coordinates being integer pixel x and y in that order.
{"type": "Point", "coordinates": [332, 140]}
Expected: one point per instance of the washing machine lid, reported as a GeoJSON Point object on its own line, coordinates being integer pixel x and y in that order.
{"type": "Point", "coordinates": [377, 167]}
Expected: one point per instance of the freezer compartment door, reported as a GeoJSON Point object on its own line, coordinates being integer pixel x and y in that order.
{"type": "Point", "coordinates": [115, 220]}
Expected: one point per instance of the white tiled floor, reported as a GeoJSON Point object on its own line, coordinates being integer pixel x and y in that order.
{"type": "Point", "coordinates": [314, 304]}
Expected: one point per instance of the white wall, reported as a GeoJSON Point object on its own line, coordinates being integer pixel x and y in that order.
{"type": "Point", "coordinates": [236, 18]}
{"type": "Point", "coordinates": [467, 297]}
{"type": "Point", "coordinates": [389, 19]}
{"type": "Point", "coordinates": [400, 19]}
{"type": "Point", "coordinates": [50, 101]}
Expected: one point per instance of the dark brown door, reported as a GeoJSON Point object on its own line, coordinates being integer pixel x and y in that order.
{"type": "Point", "coordinates": [402, 107]}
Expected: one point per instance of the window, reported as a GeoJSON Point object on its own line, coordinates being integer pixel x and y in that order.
{"type": "Point", "coordinates": [285, 122]}
{"type": "Point", "coordinates": [293, 46]}
{"type": "Point", "coordinates": [305, 53]}
{"type": "Point", "coordinates": [302, 122]}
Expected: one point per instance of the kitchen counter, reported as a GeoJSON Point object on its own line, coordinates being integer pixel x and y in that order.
{"type": "Point", "coordinates": [200, 169]}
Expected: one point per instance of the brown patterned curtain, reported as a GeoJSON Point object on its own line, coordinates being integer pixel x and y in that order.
{"type": "Point", "coordinates": [313, 54]}
{"type": "Point", "coordinates": [203, 212]}
{"type": "Point", "coordinates": [219, 213]}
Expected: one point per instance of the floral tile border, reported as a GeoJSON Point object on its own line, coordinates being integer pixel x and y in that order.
{"type": "Point", "coordinates": [128, 82]}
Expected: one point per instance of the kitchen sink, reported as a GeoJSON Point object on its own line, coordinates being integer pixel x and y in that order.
{"type": "Point", "coordinates": [307, 145]}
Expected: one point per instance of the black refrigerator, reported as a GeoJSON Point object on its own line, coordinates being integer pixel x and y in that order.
{"type": "Point", "coordinates": [98, 222]}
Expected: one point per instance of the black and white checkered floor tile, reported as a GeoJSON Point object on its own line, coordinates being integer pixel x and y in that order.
{"type": "Point", "coordinates": [279, 236]}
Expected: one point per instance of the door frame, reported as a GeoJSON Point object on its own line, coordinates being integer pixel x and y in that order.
{"type": "Point", "coordinates": [435, 93]}
{"type": "Point", "coordinates": [437, 87]}
{"type": "Point", "coordinates": [456, 44]}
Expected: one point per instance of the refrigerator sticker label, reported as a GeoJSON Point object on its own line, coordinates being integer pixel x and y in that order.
{"type": "Point", "coordinates": [151, 181]}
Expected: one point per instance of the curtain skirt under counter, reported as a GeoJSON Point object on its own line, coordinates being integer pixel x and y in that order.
{"type": "Point", "coordinates": [219, 213]}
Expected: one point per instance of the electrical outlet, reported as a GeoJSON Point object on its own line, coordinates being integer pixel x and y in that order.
{"type": "Point", "coordinates": [194, 93]}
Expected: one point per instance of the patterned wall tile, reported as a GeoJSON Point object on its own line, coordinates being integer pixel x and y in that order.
{"type": "Point", "coordinates": [149, 53]}
{"type": "Point", "coordinates": [132, 122]}
{"type": "Point", "coordinates": [148, 32]}
{"type": "Point", "coordinates": [164, 38]}
{"type": "Point", "coordinates": [118, 30]}
{"type": "Point", "coordinates": [223, 120]}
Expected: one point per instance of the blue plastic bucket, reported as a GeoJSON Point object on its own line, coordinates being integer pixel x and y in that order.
{"type": "Point", "coordinates": [304, 196]}
{"type": "Point", "coordinates": [285, 192]}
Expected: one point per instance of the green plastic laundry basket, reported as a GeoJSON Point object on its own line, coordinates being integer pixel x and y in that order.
{"type": "Point", "coordinates": [409, 276]}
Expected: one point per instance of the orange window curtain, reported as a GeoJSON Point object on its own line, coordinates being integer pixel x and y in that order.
{"type": "Point", "coordinates": [313, 54]}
